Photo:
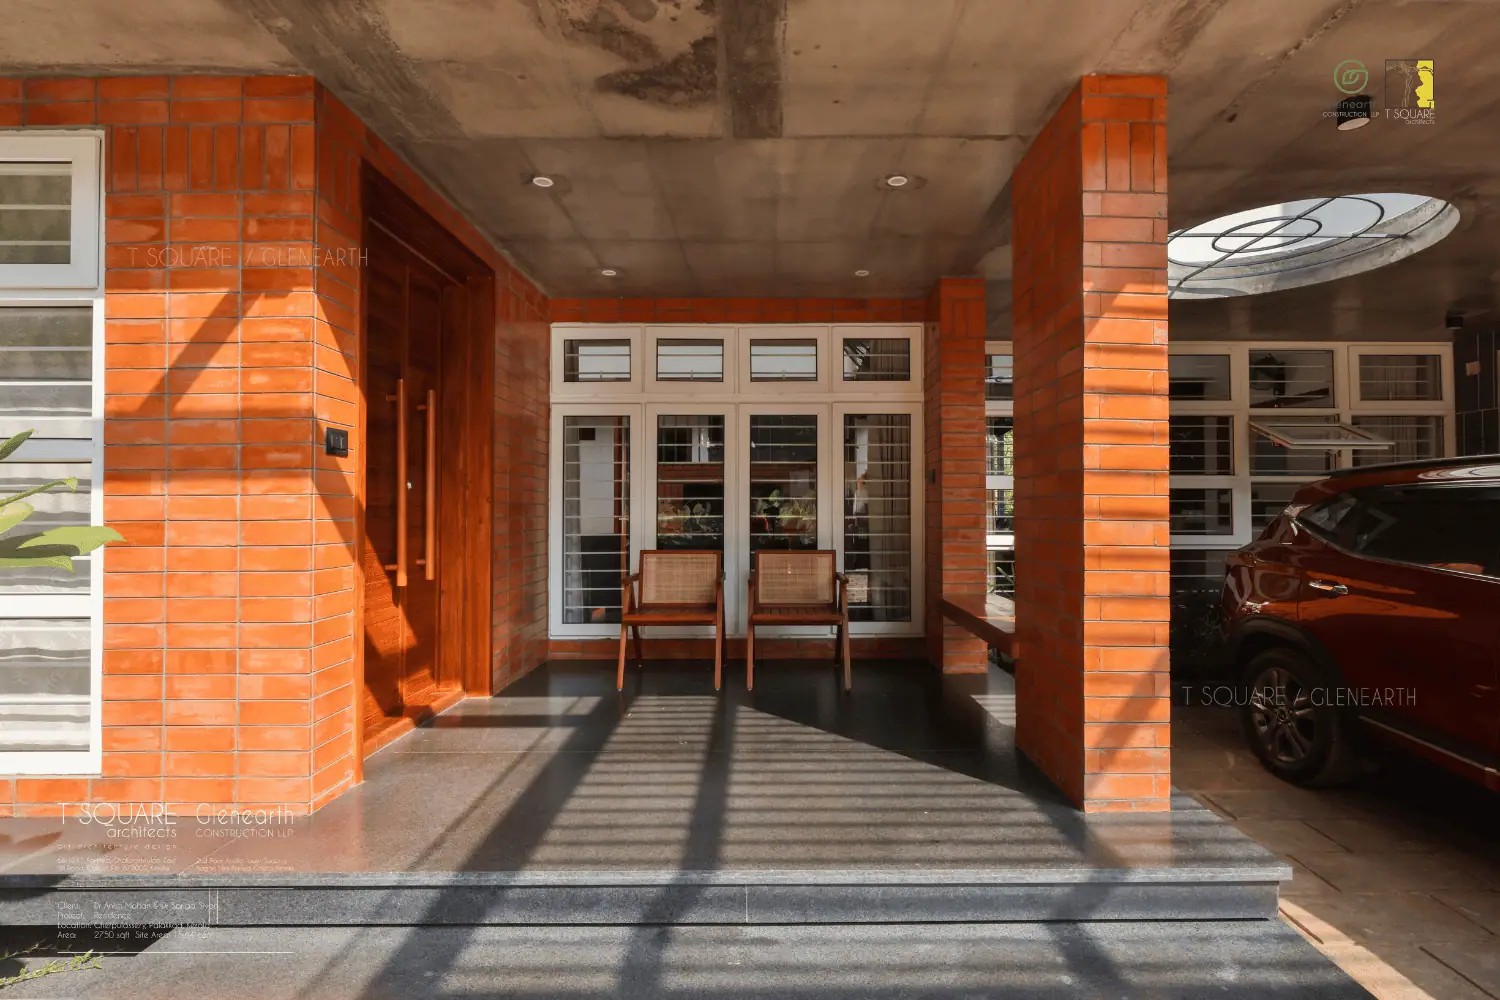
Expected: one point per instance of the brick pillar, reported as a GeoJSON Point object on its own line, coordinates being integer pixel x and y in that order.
{"type": "Point", "coordinates": [1089, 310]}
{"type": "Point", "coordinates": [953, 419]}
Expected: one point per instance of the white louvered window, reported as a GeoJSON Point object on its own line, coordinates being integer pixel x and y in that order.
{"type": "Point", "coordinates": [51, 383]}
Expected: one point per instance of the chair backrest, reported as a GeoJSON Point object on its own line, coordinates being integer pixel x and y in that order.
{"type": "Point", "coordinates": [796, 578]}
{"type": "Point", "coordinates": [673, 576]}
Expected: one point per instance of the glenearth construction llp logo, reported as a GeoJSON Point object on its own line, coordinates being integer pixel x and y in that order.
{"type": "Point", "coordinates": [1410, 91]}
{"type": "Point", "coordinates": [1350, 76]}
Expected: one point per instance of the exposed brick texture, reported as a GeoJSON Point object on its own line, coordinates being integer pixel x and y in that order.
{"type": "Point", "coordinates": [1089, 312]}
{"type": "Point", "coordinates": [232, 329]}
{"type": "Point", "coordinates": [738, 310]}
{"type": "Point", "coordinates": [953, 422]}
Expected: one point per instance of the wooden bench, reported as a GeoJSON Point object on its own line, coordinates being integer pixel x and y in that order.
{"type": "Point", "coordinates": [990, 617]}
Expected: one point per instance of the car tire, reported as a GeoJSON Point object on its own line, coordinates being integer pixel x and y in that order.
{"type": "Point", "coordinates": [1292, 721]}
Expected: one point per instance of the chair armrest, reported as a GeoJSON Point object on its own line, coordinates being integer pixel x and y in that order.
{"type": "Point", "coordinates": [629, 578]}
{"type": "Point", "coordinates": [841, 578]}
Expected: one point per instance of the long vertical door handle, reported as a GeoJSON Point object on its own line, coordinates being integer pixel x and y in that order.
{"type": "Point", "coordinates": [429, 523]}
{"type": "Point", "coordinates": [401, 482]}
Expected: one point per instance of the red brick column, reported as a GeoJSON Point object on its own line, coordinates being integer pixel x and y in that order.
{"type": "Point", "coordinates": [953, 422]}
{"type": "Point", "coordinates": [1090, 332]}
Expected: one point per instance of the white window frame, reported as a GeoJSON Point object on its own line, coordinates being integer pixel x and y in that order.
{"type": "Point", "coordinates": [81, 150]}
{"type": "Point", "coordinates": [583, 391]}
{"type": "Point", "coordinates": [997, 408]}
{"type": "Point", "coordinates": [873, 389]}
{"type": "Point", "coordinates": [76, 284]}
{"type": "Point", "coordinates": [877, 407]}
{"type": "Point", "coordinates": [689, 388]}
{"type": "Point", "coordinates": [1346, 407]}
{"type": "Point", "coordinates": [637, 497]}
{"type": "Point", "coordinates": [644, 398]}
{"type": "Point", "coordinates": [819, 386]}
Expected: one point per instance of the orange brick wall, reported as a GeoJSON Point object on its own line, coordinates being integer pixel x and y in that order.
{"type": "Point", "coordinates": [1090, 335]}
{"type": "Point", "coordinates": [231, 342]}
{"type": "Point", "coordinates": [953, 422]}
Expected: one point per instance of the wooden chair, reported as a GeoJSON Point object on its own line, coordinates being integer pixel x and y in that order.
{"type": "Point", "coordinates": [798, 588]}
{"type": "Point", "coordinates": [674, 587]}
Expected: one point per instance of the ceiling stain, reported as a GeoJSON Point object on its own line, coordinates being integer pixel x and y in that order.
{"type": "Point", "coordinates": [687, 80]}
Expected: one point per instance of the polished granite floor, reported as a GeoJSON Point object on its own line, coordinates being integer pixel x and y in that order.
{"type": "Point", "coordinates": [559, 773]}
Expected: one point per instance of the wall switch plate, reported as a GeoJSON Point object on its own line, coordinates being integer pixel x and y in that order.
{"type": "Point", "coordinates": [336, 442]}
{"type": "Point", "coordinates": [1471, 368]}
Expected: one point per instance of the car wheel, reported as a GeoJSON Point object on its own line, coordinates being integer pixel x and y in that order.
{"type": "Point", "coordinates": [1292, 722]}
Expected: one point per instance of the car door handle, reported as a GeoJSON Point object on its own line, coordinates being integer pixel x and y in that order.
{"type": "Point", "coordinates": [1329, 587]}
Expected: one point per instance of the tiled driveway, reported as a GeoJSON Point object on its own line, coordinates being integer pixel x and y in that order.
{"type": "Point", "coordinates": [1397, 879]}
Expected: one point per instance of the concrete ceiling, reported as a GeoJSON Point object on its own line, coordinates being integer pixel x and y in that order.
{"type": "Point", "coordinates": [736, 147]}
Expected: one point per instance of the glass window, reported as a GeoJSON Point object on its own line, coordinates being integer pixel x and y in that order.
{"type": "Point", "coordinates": [1199, 377]}
{"type": "Point", "coordinates": [46, 657]}
{"type": "Point", "coordinates": [1456, 528]}
{"type": "Point", "coordinates": [1202, 512]}
{"type": "Point", "coordinates": [1268, 458]}
{"type": "Point", "coordinates": [596, 361]}
{"type": "Point", "coordinates": [1000, 446]}
{"type": "Point", "coordinates": [36, 213]}
{"type": "Point", "coordinates": [1000, 512]}
{"type": "Point", "coordinates": [1400, 377]}
{"type": "Point", "coordinates": [595, 517]}
{"type": "Point", "coordinates": [783, 482]}
{"type": "Point", "coordinates": [1415, 438]}
{"type": "Point", "coordinates": [877, 516]}
{"type": "Point", "coordinates": [879, 359]}
{"type": "Point", "coordinates": [689, 361]}
{"type": "Point", "coordinates": [1286, 379]}
{"type": "Point", "coordinates": [690, 482]}
{"type": "Point", "coordinates": [783, 360]}
{"type": "Point", "coordinates": [1267, 500]}
{"type": "Point", "coordinates": [1202, 446]}
{"type": "Point", "coordinates": [1327, 516]}
{"type": "Point", "coordinates": [999, 378]}
{"type": "Point", "coordinates": [1000, 572]}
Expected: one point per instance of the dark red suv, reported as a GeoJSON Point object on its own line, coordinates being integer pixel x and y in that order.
{"type": "Point", "coordinates": [1370, 607]}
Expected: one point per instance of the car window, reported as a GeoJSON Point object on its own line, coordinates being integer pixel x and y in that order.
{"type": "Point", "coordinates": [1454, 528]}
{"type": "Point", "coordinates": [1325, 517]}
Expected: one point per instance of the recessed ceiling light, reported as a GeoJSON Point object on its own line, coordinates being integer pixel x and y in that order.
{"type": "Point", "coordinates": [542, 181]}
{"type": "Point", "coordinates": [608, 272]}
{"type": "Point", "coordinates": [861, 273]}
{"type": "Point", "coordinates": [897, 181]}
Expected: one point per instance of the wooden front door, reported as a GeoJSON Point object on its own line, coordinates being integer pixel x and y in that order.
{"type": "Point", "coordinates": [408, 302]}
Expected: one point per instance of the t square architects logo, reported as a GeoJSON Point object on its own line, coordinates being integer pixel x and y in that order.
{"type": "Point", "coordinates": [1410, 91]}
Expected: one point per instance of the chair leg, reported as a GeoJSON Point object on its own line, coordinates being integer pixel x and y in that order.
{"type": "Point", "coordinates": [844, 653]}
{"type": "Point", "coordinates": [749, 656]}
{"type": "Point", "coordinates": [620, 669]}
{"type": "Point", "coordinates": [718, 654]}
{"type": "Point", "coordinates": [638, 656]}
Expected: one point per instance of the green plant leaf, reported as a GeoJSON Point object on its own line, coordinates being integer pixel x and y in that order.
{"type": "Point", "coordinates": [14, 515]}
{"type": "Point", "coordinates": [70, 483]}
{"type": "Point", "coordinates": [75, 540]}
{"type": "Point", "coordinates": [29, 562]}
{"type": "Point", "coordinates": [13, 443]}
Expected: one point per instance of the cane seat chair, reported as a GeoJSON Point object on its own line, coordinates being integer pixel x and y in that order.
{"type": "Point", "coordinates": [798, 588]}
{"type": "Point", "coordinates": [673, 587]}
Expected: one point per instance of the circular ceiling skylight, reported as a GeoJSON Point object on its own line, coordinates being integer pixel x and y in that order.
{"type": "Point", "coordinates": [1302, 243]}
